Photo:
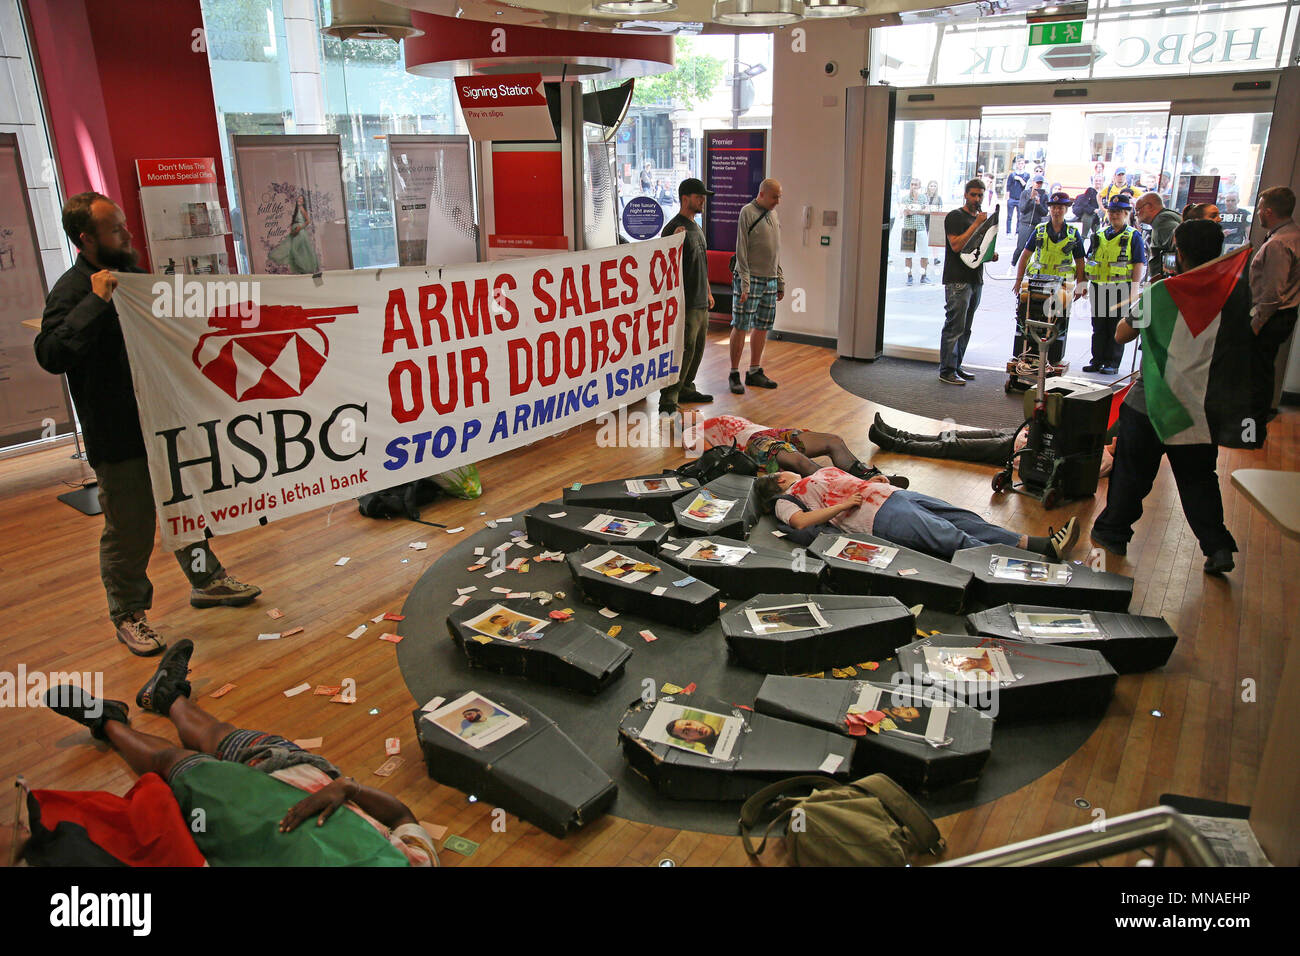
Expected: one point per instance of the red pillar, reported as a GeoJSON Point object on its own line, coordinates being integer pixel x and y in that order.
{"type": "Point", "coordinates": [123, 81]}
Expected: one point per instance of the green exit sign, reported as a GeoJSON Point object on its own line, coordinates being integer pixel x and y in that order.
{"type": "Point", "coordinates": [1043, 34]}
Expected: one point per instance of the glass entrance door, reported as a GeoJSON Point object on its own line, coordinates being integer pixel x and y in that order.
{"type": "Point", "coordinates": [933, 159]}
{"type": "Point", "coordinates": [1229, 146]}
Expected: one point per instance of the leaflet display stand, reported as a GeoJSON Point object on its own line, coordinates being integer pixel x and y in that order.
{"type": "Point", "coordinates": [30, 398]}
{"type": "Point", "coordinates": [935, 741]}
{"type": "Point", "coordinates": [185, 226]}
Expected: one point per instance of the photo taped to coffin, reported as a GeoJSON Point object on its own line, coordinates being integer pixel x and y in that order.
{"type": "Point", "coordinates": [476, 720]}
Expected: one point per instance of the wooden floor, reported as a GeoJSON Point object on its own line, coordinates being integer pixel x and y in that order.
{"type": "Point", "coordinates": [1208, 741]}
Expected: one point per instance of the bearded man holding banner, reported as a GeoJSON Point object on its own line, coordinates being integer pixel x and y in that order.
{"type": "Point", "coordinates": [81, 337]}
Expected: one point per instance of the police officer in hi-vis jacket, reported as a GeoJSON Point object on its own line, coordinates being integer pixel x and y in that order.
{"type": "Point", "coordinates": [1054, 249]}
{"type": "Point", "coordinates": [1116, 265]}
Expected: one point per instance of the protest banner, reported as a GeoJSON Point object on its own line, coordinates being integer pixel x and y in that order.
{"type": "Point", "coordinates": [267, 396]}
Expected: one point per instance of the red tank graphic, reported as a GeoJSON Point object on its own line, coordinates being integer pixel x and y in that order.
{"type": "Point", "coordinates": [273, 351]}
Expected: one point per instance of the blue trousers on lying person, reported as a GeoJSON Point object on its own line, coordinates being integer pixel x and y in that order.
{"type": "Point", "coordinates": [927, 524]}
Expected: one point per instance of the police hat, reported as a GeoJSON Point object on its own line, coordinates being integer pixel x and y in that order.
{"type": "Point", "coordinates": [1120, 202]}
{"type": "Point", "coordinates": [1059, 199]}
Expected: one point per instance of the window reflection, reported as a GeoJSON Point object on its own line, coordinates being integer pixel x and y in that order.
{"type": "Point", "coordinates": [358, 89]}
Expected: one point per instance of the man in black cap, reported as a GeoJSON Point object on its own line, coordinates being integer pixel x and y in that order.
{"type": "Point", "coordinates": [698, 299]}
{"type": "Point", "coordinates": [1116, 264]}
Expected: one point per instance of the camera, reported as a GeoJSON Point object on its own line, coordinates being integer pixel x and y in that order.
{"type": "Point", "coordinates": [831, 68]}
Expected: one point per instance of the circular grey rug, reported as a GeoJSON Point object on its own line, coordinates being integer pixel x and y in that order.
{"type": "Point", "coordinates": [432, 665]}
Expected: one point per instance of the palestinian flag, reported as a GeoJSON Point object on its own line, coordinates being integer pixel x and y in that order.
{"type": "Point", "coordinates": [980, 247]}
{"type": "Point", "coordinates": [1201, 363]}
{"type": "Point", "coordinates": [94, 828]}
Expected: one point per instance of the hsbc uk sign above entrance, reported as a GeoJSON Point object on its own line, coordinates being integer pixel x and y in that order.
{"type": "Point", "coordinates": [1004, 55]}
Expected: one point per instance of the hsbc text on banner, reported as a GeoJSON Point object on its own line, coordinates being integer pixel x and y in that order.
{"type": "Point", "coordinates": [329, 388]}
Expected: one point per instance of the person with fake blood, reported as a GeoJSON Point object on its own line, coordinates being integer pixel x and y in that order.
{"type": "Point", "coordinates": [908, 518]}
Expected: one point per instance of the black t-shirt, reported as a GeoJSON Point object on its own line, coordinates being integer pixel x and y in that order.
{"type": "Point", "coordinates": [954, 270]}
{"type": "Point", "coordinates": [1236, 225]}
{"type": "Point", "coordinates": [695, 266]}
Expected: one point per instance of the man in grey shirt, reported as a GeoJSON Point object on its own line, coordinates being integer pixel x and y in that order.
{"type": "Point", "coordinates": [757, 284]}
{"type": "Point", "coordinates": [698, 299]}
{"type": "Point", "coordinates": [1275, 278]}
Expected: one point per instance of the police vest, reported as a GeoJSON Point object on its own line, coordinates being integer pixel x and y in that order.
{"type": "Point", "coordinates": [1053, 258]}
{"type": "Point", "coordinates": [1112, 259]}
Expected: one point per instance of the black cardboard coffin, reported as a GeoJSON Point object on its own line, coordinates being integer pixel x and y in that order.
{"type": "Point", "coordinates": [963, 736]}
{"type": "Point", "coordinates": [615, 494]}
{"type": "Point", "coordinates": [762, 570]}
{"type": "Point", "coordinates": [1093, 590]}
{"type": "Point", "coordinates": [738, 520]}
{"type": "Point", "coordinates": [561, 527]}
{"type": "Point", "coordinates": [937, 584]}
{"type": "Point", "coordinates": [766, 750]}
{"type": "Point", "coordinates": [859, 628]}
{"type": "Point", "coordinates": [568, 654]}
{"type": "Point", "coordinates": [1131, 642]}
{"type": "Point", "coordinates": [691, 606]}
{"type": "Point", "coordinates": [535, 772]}
{"type": "Point", "coordinates": [1050, 682]}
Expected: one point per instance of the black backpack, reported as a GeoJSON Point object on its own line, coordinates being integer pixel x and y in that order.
{"type": "Point", "coordinates": [718, 461]}
{"type": "Point", "coordinates": [399, 501]}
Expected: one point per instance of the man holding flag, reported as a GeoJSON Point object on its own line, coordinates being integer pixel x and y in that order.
{"type": "Point", "coordinates": [1198, 390]}
{"type": "Point", "coordinates": [971, 234]}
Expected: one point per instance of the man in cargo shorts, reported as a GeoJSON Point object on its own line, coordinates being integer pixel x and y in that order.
{"type": "Point", "coordinates": [757, 284]}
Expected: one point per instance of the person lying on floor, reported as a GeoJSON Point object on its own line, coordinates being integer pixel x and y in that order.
{"type": "Point", "coordinates": [248, 786]}
{"type": "Point", "coordinates": [908, 518]}
{"type": "Point", "coordinates": [791, 449]}
{"type": "Point", "coordinates": [982, 446]}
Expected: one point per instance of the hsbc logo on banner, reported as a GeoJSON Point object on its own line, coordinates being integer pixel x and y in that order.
{"type": "Point", "coordinates": [505, 107]}
{"type": "Point", "coordinates": [273, 351]}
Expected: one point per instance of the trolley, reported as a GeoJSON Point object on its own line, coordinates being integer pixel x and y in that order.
{"type": "Point", "coordinates": [1061, 457]}
{"type": "Point", "coordinates": [1044, 299]}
